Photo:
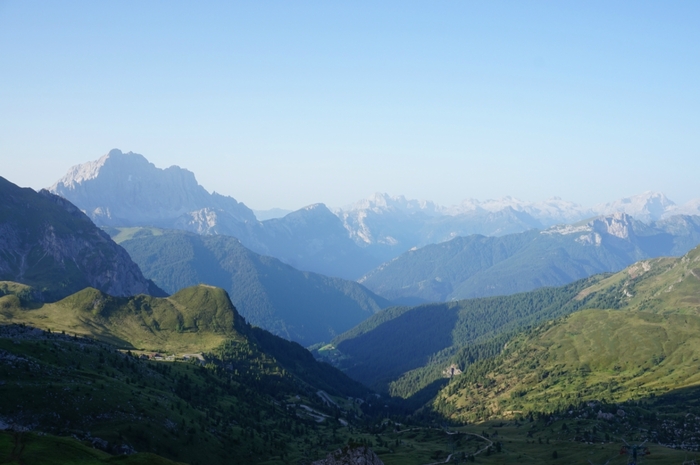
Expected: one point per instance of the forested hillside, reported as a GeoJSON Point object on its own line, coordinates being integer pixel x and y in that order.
{"type": "Point", "coordinates": [300, 306]}
{"type": "Point", "coordinates": [381, 350]}
{"type": "Point", "coordinates": [72, 368]}
{"type": "Point", "coordinates": [639, 340]}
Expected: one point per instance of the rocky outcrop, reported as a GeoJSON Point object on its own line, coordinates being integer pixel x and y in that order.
{"type": "Point", "coordinates": [351, 455]}
{"type": "Point", "coordinates": [124, 189]}
{"type": "Point", "coordinates": [49, 244]}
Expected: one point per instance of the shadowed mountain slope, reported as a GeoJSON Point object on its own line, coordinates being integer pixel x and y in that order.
{"type": "Point", "coordinates": [50, 245]}
{"type": "Point", "coordinates": [395, 341]}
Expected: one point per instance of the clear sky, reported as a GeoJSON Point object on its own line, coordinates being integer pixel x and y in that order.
{"type": "Point", "coordinates": [283, 104]}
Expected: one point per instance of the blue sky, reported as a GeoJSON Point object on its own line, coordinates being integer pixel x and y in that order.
{"type": "Point", "coordinates": [283, 104]}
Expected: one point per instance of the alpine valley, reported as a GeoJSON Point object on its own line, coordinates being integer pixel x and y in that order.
{"type": "Point", "coordinates": [146, 320]}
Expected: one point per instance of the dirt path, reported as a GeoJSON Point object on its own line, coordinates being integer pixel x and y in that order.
{"type": "Point", "coordinates": [449, 457]}
{"type": "Point", "coordinates": [485, 448]}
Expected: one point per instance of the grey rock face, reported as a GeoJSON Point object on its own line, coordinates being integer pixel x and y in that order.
{"type": "Point", "coordinates": [47, 243]}
{"type": "Point", "coordinates": [124, 189]}
{"type": "Point", "coordinates": [351, 455]}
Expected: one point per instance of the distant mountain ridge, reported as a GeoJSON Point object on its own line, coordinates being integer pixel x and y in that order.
{"type": "Point", "coordinates": [394, 222]}
{"type": "Point", "coordinates": [50, 245]}
{"type": "Point", "coordinates": [479, 266]}
{"type": "Point", "coordinates": [124, 189]}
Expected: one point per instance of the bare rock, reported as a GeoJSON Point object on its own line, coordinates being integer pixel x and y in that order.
{"type": "Point", "coordinates": [351, 455]}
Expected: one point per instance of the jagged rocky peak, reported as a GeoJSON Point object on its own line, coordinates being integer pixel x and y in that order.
{"type": "Point", "coordinates": [618, 224]}
{"type": "Point", "coordinates": [351, 455]}
{"type": "Point", "coordinates": [125, 189]}
{"type": "Point", "coordinates": [115, 162]}
{"type": "Point", "coordinates": [380, 202]}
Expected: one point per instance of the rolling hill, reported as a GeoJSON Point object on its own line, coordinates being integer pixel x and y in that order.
{"type": "Point", "coordinates": [71, 368]}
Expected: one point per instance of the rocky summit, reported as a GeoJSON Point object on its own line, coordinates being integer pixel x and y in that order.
{"type": "Point", "coordinates": [125, 189]}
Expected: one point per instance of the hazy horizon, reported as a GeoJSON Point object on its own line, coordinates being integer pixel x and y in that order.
{"type": "Point", "coordinates": [283, 105]}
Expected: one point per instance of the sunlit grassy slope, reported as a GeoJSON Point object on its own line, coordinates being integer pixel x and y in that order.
{"type": "Point", "coordinates": [641, 339]}
{"type": "Point", "coordinates": [195, 319]}
{"type": "Point", "coordinates": [243, 406]}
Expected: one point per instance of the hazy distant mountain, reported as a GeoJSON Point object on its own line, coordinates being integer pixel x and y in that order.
{"type": "Point", "coordinates": [124, 189]}
{"type": "Point", "coordinates": [478, 266]}
{"type": "Point", "coordinates": [301, 306]}
{"type": "Point", "coordinates": [313, 239]}
{"type": "Point", "coordinates": [50, 245]}
{"type": "Point", "coordinates": [388, 225]}
{"type": "Point", "coordinates": [691, 207]}
{"type": "Point", "coordinates": [263, 215]}
{"type": "Point", "coordinates": [649, 206]}
{"type": "Point", "coordinates": [549, 212]}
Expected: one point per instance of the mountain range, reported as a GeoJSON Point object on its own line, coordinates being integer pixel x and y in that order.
{"type": "Point", "coordinates": [88, 364]}
{"type": "Point", "coordinates": [187, 377]}
{"type": "Point", "coordinates": [54, 248]}
{"type": "Point", "coordinates": [391, 225]}
{"type": "Point", "coordinates": [124, 189]}
{"type": "Point", "coordinates": [479, 266]}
